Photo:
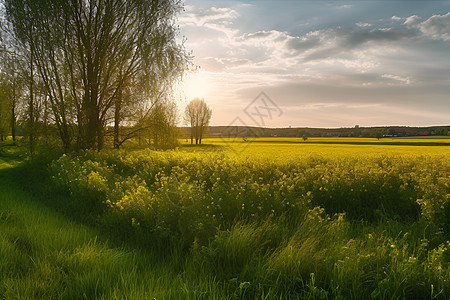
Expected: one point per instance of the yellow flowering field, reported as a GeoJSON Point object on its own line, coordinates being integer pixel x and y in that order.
{"type": "Point", "coordinates": [286, 148]}
{"type": "Point", "coordinates": [322, 218]}
{"type": "Point", "coordinates": [228, 179]}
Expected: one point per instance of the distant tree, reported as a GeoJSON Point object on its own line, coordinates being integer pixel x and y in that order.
{"type": "Point", "coordinates": [198, 115]}
{"type": "Point", "coordinates": [379, 135]}
{"type": "Point", "coordinates": [366, 133]}
{"type": "Point", "coordinates": [304, 137]}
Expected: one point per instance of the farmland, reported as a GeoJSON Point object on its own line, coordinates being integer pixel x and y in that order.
{"type": "Point", "coordinates": [266, 218]}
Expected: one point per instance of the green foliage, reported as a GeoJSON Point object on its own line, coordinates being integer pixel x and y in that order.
{"type": "Point", "coordinates": [379, 135]}
{"type": "Point", "coordinates": [45, 256]}
{"type": "Point", "coordinates": [164, 190]}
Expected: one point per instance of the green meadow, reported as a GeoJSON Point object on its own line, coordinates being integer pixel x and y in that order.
{"type": "Point", "coordinates": [265, 218]}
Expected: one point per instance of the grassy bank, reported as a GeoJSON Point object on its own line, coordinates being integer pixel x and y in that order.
{"type": "Point", "coordinates": [44, 255]}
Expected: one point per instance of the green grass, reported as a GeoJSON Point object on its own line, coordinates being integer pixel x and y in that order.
{"type": "Point", "coordinates": [43, 255]}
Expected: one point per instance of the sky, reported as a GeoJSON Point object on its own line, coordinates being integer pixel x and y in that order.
{"type": "Point", "coordinates": [319, 63]}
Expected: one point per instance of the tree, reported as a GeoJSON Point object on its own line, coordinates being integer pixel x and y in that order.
{"type": "Point", "coordinates": [11, 84]}
{"type": "Point", "coordinates": [4, 109]}
{"type": "Point", "coordinates": [197, 114]}
{"type": "Point", "coordinates": [304, 137]}
{"type": "Point", "coordinates": [379, 135]}
{"type": "Point", "coordinates": [89, 52]}
{"type": "Point", "coordinates": [162, 125]}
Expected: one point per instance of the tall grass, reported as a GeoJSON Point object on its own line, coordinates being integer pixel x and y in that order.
{"type": "Point", "coordinates": [43, 255]}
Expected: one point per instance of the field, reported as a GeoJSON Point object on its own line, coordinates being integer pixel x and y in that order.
{"type": "Point", "coordinates": [266, 218]}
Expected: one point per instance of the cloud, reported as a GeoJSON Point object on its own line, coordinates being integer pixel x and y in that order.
{"type": "Point", "coordinates": [358, 64]}
{"type": "Point", "coordinates": [405, 80]}
{"type": "Point", "coordinates": [412, 21]}
{"type": "Point", "coordinates": [299, 44]}
{"type": "Point", "coordinates": [435, 27]}
{"type": "Point", "coordinates": [214, 64]}
{"type": "Point", "coordinates": [351, 48]}
{"type": "Point", "coordinates": [263, 36]}
{"type": "Point", "coordinates": [212, 15]}
{"type": "Point", "coordinates": [363, 36]}
{"type": "Point", "coordinates": [354, 48]}
{"type": "Point", "coordinates": [361, 24]}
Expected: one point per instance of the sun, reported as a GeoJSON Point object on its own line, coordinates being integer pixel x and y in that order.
{"type": "Point", "coordinates": [196, 85]}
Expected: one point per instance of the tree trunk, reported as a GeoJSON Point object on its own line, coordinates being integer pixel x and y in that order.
{"type": "Point", "coordinates": [117, 107]}
{"type": "Point", "coordinates": [31, 108]}
{"type": "Point", "coordinates": [100, 135]}
{"type": "Point", "coordinates": [80, 127]}
{"type": "Point", "coordinates": [13, 120]}
{"type": "Point", "coordinates": [92, 125]}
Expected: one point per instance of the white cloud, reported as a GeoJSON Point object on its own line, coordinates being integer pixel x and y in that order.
{"type": "Point", "coordinates": [211, 15]}
{"type": "Point", "coordinates": [215, 64]}
{"type": "Point", "coordinates": [360, 24]}
{"type": "Point", "coordinates": [258, 37]}
{"type": "Point", "coordinates": [435, 27]}
{"type": "Point", "coordinates": [412, 21]}
{"type": "Point", "coordinates": [275, 51]}
{"type": "Point", "coordinates": [354, 49]}
{"type": "Point", "coordinates": [405, 80]}
{"type": "Point", "coordinates": [359, 65]}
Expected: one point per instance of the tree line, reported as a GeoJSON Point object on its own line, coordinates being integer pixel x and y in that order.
{"type": "Point", "coordinates": [86, 71]}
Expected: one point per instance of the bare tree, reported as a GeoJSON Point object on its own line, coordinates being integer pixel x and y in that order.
{"type": "Point", "coordinates": [197, 114]}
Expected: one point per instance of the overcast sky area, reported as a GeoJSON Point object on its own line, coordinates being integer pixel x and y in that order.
{"type": "Point", "coordinates": [322, 63]}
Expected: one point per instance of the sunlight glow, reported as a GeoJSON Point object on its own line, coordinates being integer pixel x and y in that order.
{"type": "Point", "coordinates": [195, 85]}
